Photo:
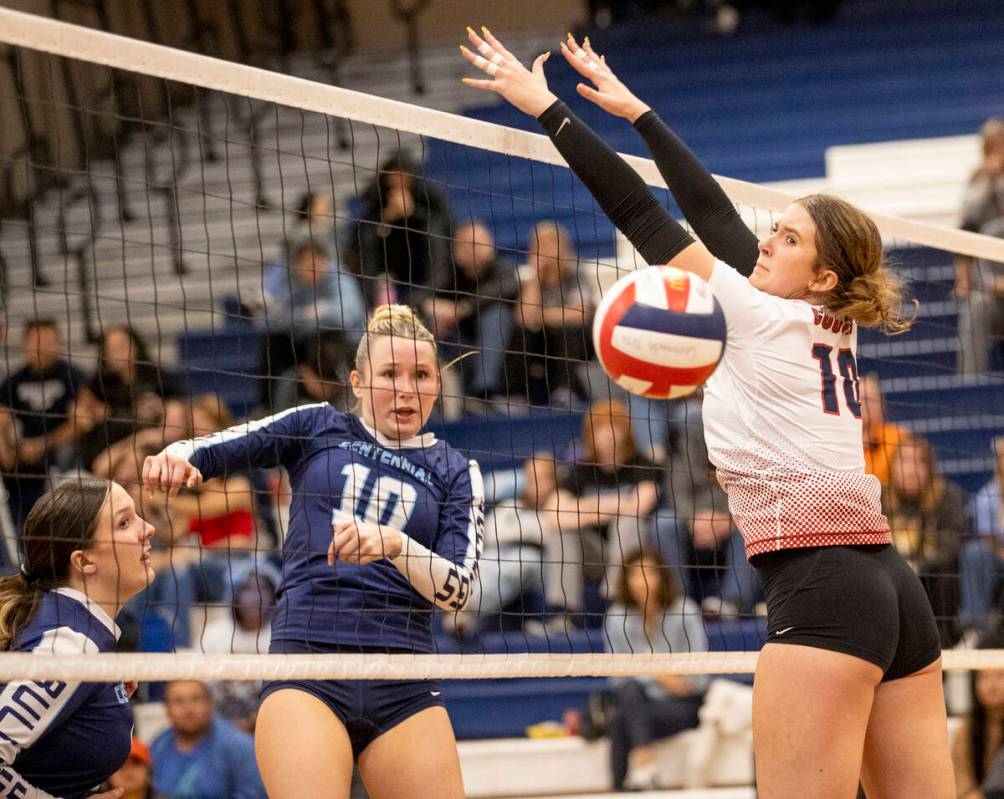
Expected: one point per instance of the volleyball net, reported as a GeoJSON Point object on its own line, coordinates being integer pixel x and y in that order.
{"type": "Point", "coordinates": [204, 239]}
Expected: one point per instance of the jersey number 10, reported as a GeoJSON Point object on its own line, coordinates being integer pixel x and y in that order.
{"type": "Point", "coordinates": [848, 371]}
{"type": "Point", "coordinates": [380, 500]}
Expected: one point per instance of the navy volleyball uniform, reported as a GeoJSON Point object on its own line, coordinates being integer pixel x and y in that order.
{"type": "Point", "coordinates": [63, 738]}
{"type": "Point", "coordinates": [339, 469]}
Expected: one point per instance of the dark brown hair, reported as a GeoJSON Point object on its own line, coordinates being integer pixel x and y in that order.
{"type": "Point", "coordinates": [665, 592]}
{"type": "Point", "coordinates": [62, 521]}
{"type": "Point", "coordinates": [849, 243]}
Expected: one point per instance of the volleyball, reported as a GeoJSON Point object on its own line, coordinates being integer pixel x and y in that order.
{"type": "Point", "coordinates": [659, 332]}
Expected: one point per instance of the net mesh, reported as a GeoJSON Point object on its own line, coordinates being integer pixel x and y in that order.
{"type": "Point", "coordinates": [208, 238]}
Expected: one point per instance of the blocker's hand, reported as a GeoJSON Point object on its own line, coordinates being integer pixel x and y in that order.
{"type": "Point", "coordinates": [610, 94]}
{"type": "Point", "coordinates": [356, 541]}
{"type": "Point", "coordinates": [524, 88]}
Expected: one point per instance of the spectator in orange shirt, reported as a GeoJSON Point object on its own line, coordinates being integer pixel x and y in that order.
{"type": "Point", "coordinates": [879, 437]}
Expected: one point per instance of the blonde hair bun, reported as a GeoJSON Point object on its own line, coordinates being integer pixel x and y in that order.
{"type": "Point", "coordinates": [397, 321]}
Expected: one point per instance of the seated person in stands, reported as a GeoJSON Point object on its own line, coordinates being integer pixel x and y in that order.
{"type": "Point", "coordinates": [979, 284]}
{"type": "Point", "coordinates": [978, 748]}
{"type": "Point", "coordinates": [34, 403]}
{"type": "Point", "coordinates": [201, 754]}
{"type": "Point", "coordinates": [707, 556]}
{"type": "Point", "coordinates": [220, 512]}
{"type": "Point", "coordinates": [401, 241]}
{"type": "Point", "coordinates": [312, 296]}
{"type": "Point", "coordinates": [517, 534]}
{"type": "Point", "coordinates": [471, 308]}
{"type": "Point", "coordinates": [650, 616]}
{"type": "Point", "coordinates": [127, 393]}
{"type": "Point", "coordinates": [608, 496]}
{"type": "Point", "coordinates": [929, 524]}
{"type": "Point", "coordinates": [319, 376]}
{"type": "Point", "coordinates": [245, 630]}
{"type": "Point", "coordinates": [551, 340]}
{"type": "Point", "coordinates": [314, 218]}
{"type": "Point", "coordinates": [982, 561]}
{"type": "Point", "coordinates": [879, 437]}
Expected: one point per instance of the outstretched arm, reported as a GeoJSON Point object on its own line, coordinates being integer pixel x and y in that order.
{"type": "Point", "coordinates": [704, 204]}
{"type": "Point", "coordinates": [618, 189]}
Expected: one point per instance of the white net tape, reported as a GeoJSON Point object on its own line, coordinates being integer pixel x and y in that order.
{"type": "Point", "coordinates": [158, 666]}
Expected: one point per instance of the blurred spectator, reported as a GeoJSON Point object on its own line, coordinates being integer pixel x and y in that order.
{"type": "Point", "coordinates": [927, 515]}
{"type": "Point", "coordinates": [220, 512]}
{"type": "Point", "coordinates": [707, 556]}
{"type": "Point", "coordinates": [311, 298]}
{"type": "Point", "coordinates": [471, 309]}
{"type": "Point", "coordinates": [517, 533]}
{"type": "Point", "coordinates": [879, 437]}
{"type": "Point", "coordinates": [314, 219]}
{"type": "Point", "coordinates": [551, 340]}
{"type": "Point", "coordinates": [135, 778]}
{"type": "Point", "coordinates": [247, 629]}
{"type": "Point", "coordinates": [982, 561]}
{"type": "Point", "coordinates": [607, 496]}
{"type": "Point", "coordinates": [321, 375]}
{"type": "Point", "coordinates": [402, 239]}
{"type": "Point", "coordinates": [34, 405]}
{"type": "Point", "coordinates": [128, 392]}
{"type": "Point", "coordinates": [979, 284]}
{"type": "Point", "coordinates": [978, 747]}
{"type": "Point", "coordinates": [650, 616]}
{"type": "Point", "coordinates": [202, 756]}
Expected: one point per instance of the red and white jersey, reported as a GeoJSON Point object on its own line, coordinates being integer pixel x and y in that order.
{"type": "Point", "coordinates": [783, 424]}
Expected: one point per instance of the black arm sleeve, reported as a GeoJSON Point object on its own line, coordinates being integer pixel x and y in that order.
{"type": "Point", "coordinates": [618, 189]}
{"type": "Point", "coordinates": [706, 207]}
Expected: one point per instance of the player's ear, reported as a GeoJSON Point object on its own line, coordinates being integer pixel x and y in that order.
{"type": "Point", "coordinates": [356, 380]}
{"type": "Point", "coordinates": [826, 280]}
{"type": "Point", "coordinates": [81, 564]}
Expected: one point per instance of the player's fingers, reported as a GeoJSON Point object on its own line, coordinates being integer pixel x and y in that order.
{"type": "Point", "coordinates": [495, 43]}
{"type": "Point", "coordinates": [484, 48]}
{"type": "Point", "coordinates": [580, 65]}
{"type": "Point", "coordinates": [588, 47]}
{"type": "Point", "coordinates": [151, 473]}
{"type": "Point", "coordinates": [194, 477]}
{"type": "Point", "coordinates": [331, 552]}
{"type": "Point", "coordinates": [538, 63]}
{"type": "Point", "coordinates": [489, 65]}
{"type": "Point", "coordinates": [178, 475]}
{"type": "Point", "coordinates": [589, 92]}
{"type": "Point", "coordinates": [488, 85]}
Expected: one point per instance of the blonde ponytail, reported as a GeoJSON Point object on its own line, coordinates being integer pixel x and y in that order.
{"type": "Point", "coordinates": [873, 300]}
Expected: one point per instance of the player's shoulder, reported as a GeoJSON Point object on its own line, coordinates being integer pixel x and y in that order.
{"type": "Point", "coordinates": [450, 463]}
{"type": "Point", "coordinates": [64, 626]}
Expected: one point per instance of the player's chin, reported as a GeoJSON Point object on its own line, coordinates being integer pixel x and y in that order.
{"type": "Point", "coordinates": [404, 425]}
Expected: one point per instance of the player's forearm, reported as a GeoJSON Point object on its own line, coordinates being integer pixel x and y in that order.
{"type": "Point", "coordinates": [445, 584]}
{"type": "Point", "coordinates": [617, 188]}
{"type": "Point", "coordinates": [703, 202]}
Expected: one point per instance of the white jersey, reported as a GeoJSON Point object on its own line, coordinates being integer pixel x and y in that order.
{"type": "Point", "coordinates": [783, 424]}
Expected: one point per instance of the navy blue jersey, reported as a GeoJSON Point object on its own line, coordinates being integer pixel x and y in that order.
{"type": "Point", "coordinates": [338, 469]}
{"type": "Point", "coordinates": [56, 738]}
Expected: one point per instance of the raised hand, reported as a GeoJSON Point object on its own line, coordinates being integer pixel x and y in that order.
{"type": "Point", "coordinates": [610, 94]}
{"type": "Point", "coordinates": [524, 88]}
{"type": "Point", "coordinates": [169, 473]}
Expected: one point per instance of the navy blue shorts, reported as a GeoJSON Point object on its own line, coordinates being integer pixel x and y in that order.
{"type": "Point", "coordinates": [367, 708]}
{"type": "Point", "coordinates": [863, 601]}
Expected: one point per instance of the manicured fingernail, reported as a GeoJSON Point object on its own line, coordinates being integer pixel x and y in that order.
{"type": "Point", "coordinates": [586, 40]}
{"type": "Point", "coordinates": [470, 29]}
{"type": "Point", "coordinates": [485, 30]}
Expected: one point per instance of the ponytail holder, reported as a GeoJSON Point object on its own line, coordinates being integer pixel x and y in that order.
{"type": "Point", "coordinates": [26, 574]}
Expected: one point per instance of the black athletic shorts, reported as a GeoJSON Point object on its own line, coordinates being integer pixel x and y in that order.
{"type": "Point", "coordinates": [367, 708]}
{"type": "Point", "coordinates": [863, 601]}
